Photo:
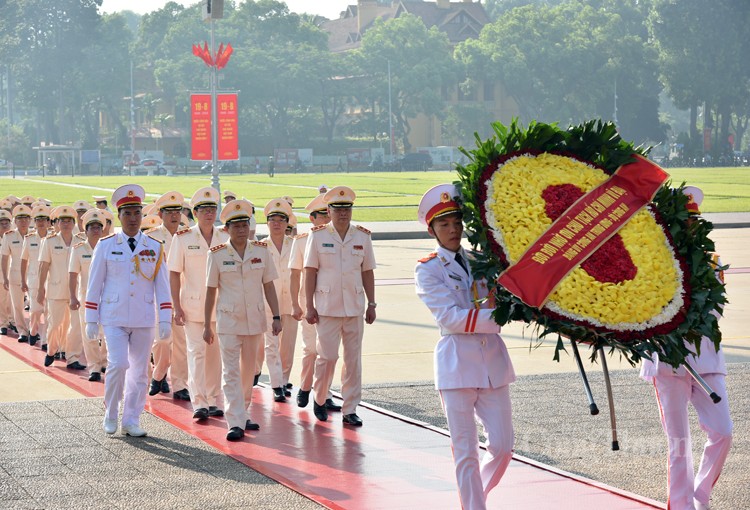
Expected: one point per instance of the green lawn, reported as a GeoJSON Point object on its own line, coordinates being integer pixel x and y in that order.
{"type": "Point", "coordinates": [381, 196]}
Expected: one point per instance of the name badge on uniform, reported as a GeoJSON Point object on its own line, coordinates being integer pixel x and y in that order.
{"type": "Point", "coordinates": [58, 247]}
{"type": "Point", "coordinates": [33, 244]}
{"type": "Point", "coordinates": [193, 247]}
{"type": "Point", "coordinates": [116, 253]}
{"type": "Point", "coordinates": [358, 247]}
{"type": "Point", "coordinates": [229, 262]}
{"type": "Point", "coordinates": [15, 242]}
{"type": "Point", "coordinates": [455, 277]}
{"type": "Point", "coordinates": [85, 256]}
{"type": "Point", "coordinates": [256, 261]}
{"type": "Point", "coordinates": [327, 245]}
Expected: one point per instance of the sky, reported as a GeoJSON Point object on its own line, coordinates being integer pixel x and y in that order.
{"type": "Point", "coordinates": [328, 8]}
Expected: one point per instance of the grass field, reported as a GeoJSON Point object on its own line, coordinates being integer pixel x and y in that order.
{"type": "Point", "coordinates": [381, 196]}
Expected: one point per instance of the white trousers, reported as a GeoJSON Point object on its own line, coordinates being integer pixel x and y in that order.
{"type": "Point", "coordinates": [674, 393]}
{"type": "Point", "coordinates": [491, 407]}
{"type": "Point", "coordinates": [17, 304]}
{"type": "Point", "coordinates": [238, 354]}
{"type": "Point", "coordinates": [128, 352]}
{"type": "Point", "coordinates": [332, 332]}
{"type": "Point", "coordinates": [204, 368]}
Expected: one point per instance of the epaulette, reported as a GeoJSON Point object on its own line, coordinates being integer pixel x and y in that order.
{"type": "Point", "coordinates": [152, 237]}
{"type": "Point", "coordinates": [363, 229]}
{"type": "Point", "coordinates": [50, 236]}
{"type": "Point", "coordinates": [259, 243]}
{"type": "Point", "coordinates": [218, 247]}
{"type": "Point", "coordinates": [183, 231]}
{"type": "Point", "coordinates": [301, 236]}
{"type": "Point", "coordinates": [150, 230]}
{"type": "Point", "coordinates": [428, 257]}
{"type": "Point", "coordinates": [319, 227]}
{"type": "Point", "coordinates": [107, 237]}
{"type": "Point", "coordinates": [79, 244]}
{"type": "Point", "coordinates": [31, 234]}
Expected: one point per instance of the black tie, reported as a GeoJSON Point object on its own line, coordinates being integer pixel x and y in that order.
{"type": "Point", "coordinates": [131, 243]}
{"type": "Point", "coordinates": [462, 262]}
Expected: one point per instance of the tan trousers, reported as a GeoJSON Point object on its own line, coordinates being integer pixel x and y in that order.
{"type": "Point", "coordinates": [37, 322]}
{"type": "Point", "coordinates": [94, 350]}
{"type": "Point", "coordinates": [332, 332]}
{"type": "Point", "coordinates": [17, 305]}
{"type": "Point", "coordinates": [204, 368]}
{"type": "Point", "coordinates": [178, 368]}
{"type": "Point", "coordinates": [6, 314]}
{"type": "Point", "coordinates": [58, 323]}
{"type": "Point", "coordinates": [238, 364]}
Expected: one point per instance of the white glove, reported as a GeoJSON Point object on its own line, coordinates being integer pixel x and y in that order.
{"type": "Point", "coordinates": [165, 329]}
{"type": "Point", "coordinates": [92, 330]}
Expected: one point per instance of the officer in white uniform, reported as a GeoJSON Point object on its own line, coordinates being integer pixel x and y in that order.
{"type": "Point", "coordinates": [30, 273]}
{"type": "Point", "coordinates": [6, 311]}
{"type": "Point", "coordinates": [318, 214]}
{"type": "Point", "coordinates": [10, 249]}
{"type": "Point", "coordinates": [472, 365]}
{"type": "Point", "coordinates": [187, 277]}
{"type": "Point", "coordinates": [279, 349]}
{"type": "Point", "coordinates": [78, 269]}
{"type": "Point", "coordinates": [239, 272]}
{"type": "Point", "coordinates": [339, 274]}
{"type": "Point", "coordinates": [170, 354]}
{"type": "Point", "coordinates": [675, 389]}
{"type": "Point", "coordinates": [127, 284]}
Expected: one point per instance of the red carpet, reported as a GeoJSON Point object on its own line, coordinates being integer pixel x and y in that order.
{"type": "Point", "coordinates": [390, 463]}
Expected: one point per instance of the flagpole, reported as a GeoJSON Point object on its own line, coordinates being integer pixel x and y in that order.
{"type": "Point", "coordinates": [214, 120]}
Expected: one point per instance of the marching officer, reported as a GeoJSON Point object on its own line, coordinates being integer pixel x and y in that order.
{"type": "Point", "coordinates": [229, 196]}
{"type": "Point", "coordinates": [10, 249]}
{"type": "Point", "coordinates": [675, 389]}
{"type": "Point", "coordinates": [318, 214]}
{"type": "Point", "coordinates": [280, 349]}
{"type": "Point", "coordinates": [239, 273]}
{"type": "Point", "coordinates": [80, 261]}
{"type": "Point", "coordinates": [6, 310]}
{"type": "Point", "coordinates": [187, 278]}
{"type": "Point", "coordinates": [30, 274]}
{"type": "Point", "coordinates": [171, 353]}
{"type": "Point", "coordinates": [54, 258]}
{"type": "Point", "coordinates": [127, 284]}
{"type": "Point", "coordinates": [472, 366]}
{"type": "Point", "coordinates": [339, 274]}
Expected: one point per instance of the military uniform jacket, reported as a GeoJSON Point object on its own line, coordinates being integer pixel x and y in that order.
{"type": "Point", "coordinates": [30, 253]}
{"type": "Point", "coordinates": [187, 256]}
{"type": "Point", "coordinates": [161, 233]}
{"type": "Point", "coordinates": [12, 246]}
{"type": "Point", "coordinates": [282, 283]}
{"type": "Point", "coordinates": [56, 253]}
{"type": "Point", "coordinates": [470, 352]}
{"type": "Point", "coordinates": [297, 255]}
{"type": "Point", "coordinates": [126, 287]}
{"type": "Point", "coordinates": [340, 263]}
{"type": "Point", "coordinates": [80, 262]}
{"type": "Point", "coordinates": [240, 304]}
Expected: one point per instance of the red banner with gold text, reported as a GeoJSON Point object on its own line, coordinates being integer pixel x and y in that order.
{"type": "Point", "coordinates": [581, 230]}
{"type": "Point", "coordinates": [226, 118]}
{"type": "Point", "coordinates": [200, 127]}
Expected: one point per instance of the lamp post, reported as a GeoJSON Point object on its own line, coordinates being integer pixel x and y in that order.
{"type": "Point", "coordinates": [390, 114]}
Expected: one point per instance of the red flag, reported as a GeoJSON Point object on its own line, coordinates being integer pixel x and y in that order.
{"type": "Point", "coordinates": [207, 55]}
{"type": "Point", "coordinates": [223, 58]}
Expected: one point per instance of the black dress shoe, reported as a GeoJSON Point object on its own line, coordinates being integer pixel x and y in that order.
{"type": "Point", "coordinates": [303, 397]}
{"type": "Point", "coordinates": [235, 434]}
{"type": "Point", "coordinates": [154, 388]}
{"type": "Point", "coordinates": [95, 377]}
{"type": "Point", "coordinates": [200, 414]}
{"type": "Point", "coordinates": [23, 339]}
{"type": "Point", "coordinates": [181, 395]}
{"type": "Point", "coordinates": [62, 355]}
{"type": "Point", "coordinates": [4, 331]}
{"type": "Point", "coordinates": [215, 412]}
{"type": "Point", "coordinates": [251, 425]}
{"type": "Point", "coordinates": [256, 379]}
{"type": "Point", "coordinates": [164, 385]}
{"type": "Point", "coordinates": [104, 369]}
{"type": "Point", "coordinates": [320, 411]}
{"type": "Point", "coordinates": [58, 355]}
{"type": "Point", "coordinates": [278, 395]}
{"type": "Point", "coordinates": [48, 360]}
{"type": "Point", "coordinates": [287, 392]}
{"type": "Point", "coordinates": [353, 420]}
{"type": "Point", "coordinates": [13, 328]}
{"type": "Point", "coordinates": [330, 406]}
{"type": "Point", "coordinates": [33, 339]}
{"type": "Point", "coordinates": [75, 366]}
{"type": "Point", "coordinates": [44, 347]}
{"type": "Point", "coordinates": [289, 386]}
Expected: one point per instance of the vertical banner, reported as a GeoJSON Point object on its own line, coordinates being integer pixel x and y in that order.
{"type": "Point", "coordinates": [226, 118]}
{"type": "Point", "coordinates": [200, 127]}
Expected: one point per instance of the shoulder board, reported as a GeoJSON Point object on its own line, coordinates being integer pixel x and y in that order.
{"type": "Point", "coordinates": [152, 237]}
{"type": "Point", "coordinates": [363, 229]}
{"type": "Point", "coordinates": [301, 236]}
{"type": "Point", "coordinates": [428, 257]}
{"type": "Point", "coordinates": [218, 247]}
{"type": "Point", "coordinates": [107, 237]}
{"type": "Point", "coordinates": [50, 236]}
{"type": "Point", "coordinates": [81, 235]}
{"type": "Point", "coordinates": [319, 227]}
{"type": "Point", "coordinates": [30, 234]}
{"type": "Point", "coordinates": [183, 231]}
{"type": "Point", "coordinates": [259, 243]}
{"type": "Point", "coordinates": [150, 230]}
{"type": "Point", "coordinates": [79, 244]}
{"type": "Point", "coordinates": [8, 232]}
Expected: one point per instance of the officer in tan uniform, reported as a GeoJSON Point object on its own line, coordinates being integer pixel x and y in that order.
{"type": "Point", "coordinates": [6, 311]}
{"type": "Point", "coordinates": [10, 249]}
{"type": "Point", "coordinates": [280, 349]}
{"type": "Point", "coordinates": [95, 349]}
{"type": "Point", "coordinates": [28, 200]}
{"type": "Point", "coordinates": [170, 354]}
{"type": "Point", "coordinates": [187, 278]}
{"type": "Point", "coordinates": [54, 258]}
{"type": "Point", "coordinates": [30, 274]}
{"type": "Point", "coordinates": [318, 214]}
{"type": "Point", "coordinates": [81, 206]}
{"type": "Point", "coordinates": [229, 196]}
{"type": "Point", "coordinates": [339, 273]}
{"type": "Point", "coordinates": [240, 272]}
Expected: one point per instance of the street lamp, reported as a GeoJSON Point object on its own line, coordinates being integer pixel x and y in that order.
{"type": "Point", "coordinates": [213, 10]}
